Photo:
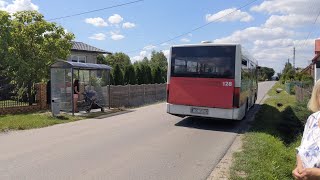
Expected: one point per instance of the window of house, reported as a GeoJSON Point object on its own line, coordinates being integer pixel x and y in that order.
{"type": "Point", "coordinates": [81, 59]}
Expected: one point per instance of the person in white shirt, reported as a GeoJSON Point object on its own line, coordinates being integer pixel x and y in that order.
{"type": "Point", "coordinates": [308, 153]}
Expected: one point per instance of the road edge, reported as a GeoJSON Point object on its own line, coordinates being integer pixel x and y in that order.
{"type": "Point", "coordinates": [222, 170]}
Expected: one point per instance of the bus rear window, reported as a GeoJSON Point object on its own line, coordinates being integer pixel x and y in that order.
{"type": "Point", "coordinates": [203, 61]}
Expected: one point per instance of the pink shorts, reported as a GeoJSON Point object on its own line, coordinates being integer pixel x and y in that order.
{"type": "Point", "coordinates": [75, 96]}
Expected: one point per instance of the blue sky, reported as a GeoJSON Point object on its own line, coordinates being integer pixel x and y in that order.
{"type": "Point", "coordinates": [267, 28]}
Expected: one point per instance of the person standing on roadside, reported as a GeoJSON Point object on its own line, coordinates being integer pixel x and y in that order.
{"type": "Point", "coordinates": [308, 153]}
{"type": "Point", "coordinates": [75, 95]}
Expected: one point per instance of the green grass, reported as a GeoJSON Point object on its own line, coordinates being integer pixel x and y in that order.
{"type": "Point", "coordinates": [269, 147]}
{"type": "Point", "coordinates": [41, 119]}
{"type": "Point", "coordinates": [34, 120]}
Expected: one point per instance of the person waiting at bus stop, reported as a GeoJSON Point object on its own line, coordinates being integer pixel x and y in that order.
{"type": "Point", "coordinates": [308, 153]}
{"type": "Point", "coordinates": [75, 95]}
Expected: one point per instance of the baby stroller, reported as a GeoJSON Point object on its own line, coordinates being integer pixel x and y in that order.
{"type": "Point", "coordinates": [91, 100]}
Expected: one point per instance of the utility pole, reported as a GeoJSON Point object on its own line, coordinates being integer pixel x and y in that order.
{"type": "Point", "coordinates": [294, 59]}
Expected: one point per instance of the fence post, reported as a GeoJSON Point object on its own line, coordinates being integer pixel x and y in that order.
{"type": "Point", "coordinates": [128, 104]}
{"type": "Point", "coordinates": [144, 93]}
{"type": "Point", "coordinates": [155, 89]}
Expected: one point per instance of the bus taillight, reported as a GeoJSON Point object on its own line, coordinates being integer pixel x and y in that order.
{"type": "Point", "coordinates": [236, 97]}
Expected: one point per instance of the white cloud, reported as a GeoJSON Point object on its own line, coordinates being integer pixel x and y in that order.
{"type": "Point", "coordinates": [99, 37]}
{"type": "Point", "coordinates": [128, 25]}
{"type": "Point", "coordinates": [18, 5]}
{"type": "Point", "coordinates": [256, 33]}
{"type": "Point", "coordinates": [290, 20]}
{"type": "Point", "coordinates": [231, 14]}
{"type": "Point", "coordinates": [185, 40]}
{"type": "Point", "coordinates": [3, 4]}
{"type": "Point", "coordinates": [116, 36]}
{"type": "Point", "coordinates": [287, 6]}
{"type": "Point", "coordinates": [140, 57]}
{"type": "Point", "coordinates": [274, 43]}
{"type": "Point", "coordinates": [166, 53]}
{"type": "Point", "coordinates": [115, 19]}
{"type": "Point", "coordinates": [289, 13]}
{"type": "Point", "coordinates": [149, 47]}
{"type": "Point", "coordinates": [165, 44]}
{"type": "Point", "coordinates": [98, 21]}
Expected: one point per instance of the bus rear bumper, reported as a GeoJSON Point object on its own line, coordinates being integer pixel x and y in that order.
{"type": "Point", "coordinates": [183, 110]}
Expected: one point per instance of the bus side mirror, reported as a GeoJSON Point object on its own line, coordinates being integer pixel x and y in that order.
{"type": "Point", "coordinates": [258, 67]}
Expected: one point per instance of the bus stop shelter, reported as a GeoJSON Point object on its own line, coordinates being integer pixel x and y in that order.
{"type": "Point", "coordinates": [94, 86]}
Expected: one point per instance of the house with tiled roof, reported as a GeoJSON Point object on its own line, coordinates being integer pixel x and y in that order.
{"type": "Point", "coordinates": [84, 53]}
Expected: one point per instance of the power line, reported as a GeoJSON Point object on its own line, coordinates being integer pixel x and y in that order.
{"type": "Point", "coordinates": [197, 28]}
{"type": "Point", "coordinates": [96, 10]}
{"type": "Point", "coordinates": [311, 31]}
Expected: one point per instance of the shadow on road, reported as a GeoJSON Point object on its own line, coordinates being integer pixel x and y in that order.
{"type": "Point", "coordinates": [209, 124]}
{"type": "Point", "coordinates": [213, 124]}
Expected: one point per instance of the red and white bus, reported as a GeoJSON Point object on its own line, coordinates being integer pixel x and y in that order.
{"type": "Point", "coordinates": [211, 80]}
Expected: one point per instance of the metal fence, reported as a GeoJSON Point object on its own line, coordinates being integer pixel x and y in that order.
{"type": "Point", "coordinates": [303, 92]}
{"type": "Point", "coordinates": [13, 96]}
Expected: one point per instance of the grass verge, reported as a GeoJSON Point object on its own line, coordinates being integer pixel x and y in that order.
{"type": "Point", "coordinates": [42, 119]}
{"type": "Point", "coordinates": [269, 146]}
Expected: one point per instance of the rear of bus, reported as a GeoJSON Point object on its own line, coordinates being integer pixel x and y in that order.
{"type": "Point", "coordinates": [204, 80]}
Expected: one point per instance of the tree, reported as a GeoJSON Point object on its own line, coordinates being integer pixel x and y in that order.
{"type": "Point", "coordinates": [288, 73]}
{"type": "Point", "coordinates": [147, 75]}
{"type": "Point", "coordinates": [265, 73]}
{"type": "Point", "coordinates": [158, 59]}
{"type": "Point", "coordinates": [101, 59]}
{"type": "Point", "coordinates": [156, 74]}
{"type": "Point", "coordinates": [33, 45]}
{"type": "Point", "coordinates": [117, 75]}
{"type": "Point", "coordinates": [129, 75]}
{"type": "Point", "coordinates": [139, 75]}
{"type": "Point", "coordinates": [5, 28]}
{"type": "Point", "coordinates": [119, 58]}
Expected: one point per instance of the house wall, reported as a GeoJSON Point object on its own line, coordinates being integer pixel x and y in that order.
{"type": "Point", "coordinates": [91, 57]}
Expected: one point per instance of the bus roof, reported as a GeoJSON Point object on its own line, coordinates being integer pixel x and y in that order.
{"type": "Point", "coordinates": [243, 50]}
{"type": "Point", "coordinates": [207, 44]}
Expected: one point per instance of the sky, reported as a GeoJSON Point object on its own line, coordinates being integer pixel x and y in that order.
{"type": "Point", "coordinates": [268, 29]}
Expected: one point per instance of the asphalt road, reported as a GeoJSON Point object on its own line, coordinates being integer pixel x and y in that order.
{"type": "Point", "coordinates": [146, 144]}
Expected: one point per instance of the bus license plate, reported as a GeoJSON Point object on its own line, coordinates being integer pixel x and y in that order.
{"type": "Point", "coordinates": [199, 111]}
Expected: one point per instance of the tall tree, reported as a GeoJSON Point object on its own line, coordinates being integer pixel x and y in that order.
{"type": "Point", "coordinates": [119, 58]}
{"type": "Point", "coordinates": [129, 75]}
{"type": "Point", "coordinates": [117, 75]}
{"type": "Point", "coordinates": [158, 59]}
{"type": "Point", "coordinates": [139, 75]}
{"type": "Point", "coordinates": [265, 73]}
{"type": "Point", "coordinates": [157, 76]}
{"type": "Point", "coordinates": [34, 45]}
{"type": "Point", "coordinates": [147, 75]}
{"type": "Point", "coordinates": [288, 73]}
{"type": "Point", "coordinates": [101, 59]}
